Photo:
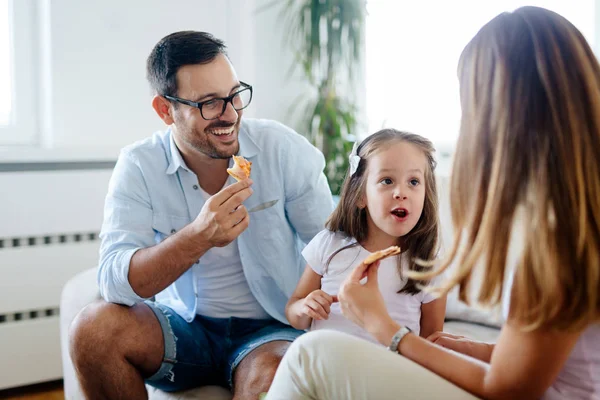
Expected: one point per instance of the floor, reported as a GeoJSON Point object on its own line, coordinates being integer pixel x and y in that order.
{"type": "Point", "coordinates": [43, 391]}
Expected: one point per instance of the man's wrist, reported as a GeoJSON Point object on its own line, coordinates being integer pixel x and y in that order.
{"type": "Point", "coordinates": [195, 243]}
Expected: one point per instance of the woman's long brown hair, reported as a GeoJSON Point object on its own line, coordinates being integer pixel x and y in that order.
{"type": "Point", "coordinates": [529, 141]}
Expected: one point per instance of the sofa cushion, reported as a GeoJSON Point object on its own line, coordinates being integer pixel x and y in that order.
{"type": "Point", "coordinates": [457, 310]}
{"type": "Point", "coordinates": [204, 393]}
{"type": "Point", "coordinates": [472, 331]}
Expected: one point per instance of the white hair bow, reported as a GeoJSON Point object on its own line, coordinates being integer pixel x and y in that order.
{"type": "Point", "coordinates": [353, 158]}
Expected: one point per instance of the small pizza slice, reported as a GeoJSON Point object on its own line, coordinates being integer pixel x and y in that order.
{"type": "Point", "coordinates": [381, 254]}
{"type": "Point", "coordinates": [241, 168]}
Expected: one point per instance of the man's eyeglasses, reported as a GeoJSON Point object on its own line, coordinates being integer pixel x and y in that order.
{"type": "Point", "coordinates": [214, 108]}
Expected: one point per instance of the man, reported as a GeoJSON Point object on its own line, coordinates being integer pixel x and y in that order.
{"type": "Point", "coordinates": [178, 229]}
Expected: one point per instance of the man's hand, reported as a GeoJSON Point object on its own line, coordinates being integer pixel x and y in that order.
{"type": "Point", "coordinates": [317, 304]}
{"type": "Point", "coordinates": [223, 217]}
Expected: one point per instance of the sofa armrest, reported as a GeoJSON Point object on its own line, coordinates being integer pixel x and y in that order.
{"type": "Point", "coordinates": [78, 292]}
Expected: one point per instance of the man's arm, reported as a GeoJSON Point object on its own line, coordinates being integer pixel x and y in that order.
{"type": "Point", "coordinates": [308, 196]}
{"type": "Point", "coordinates": [132, 267]}
{"type": "Point", "coordinates": [221, 220]}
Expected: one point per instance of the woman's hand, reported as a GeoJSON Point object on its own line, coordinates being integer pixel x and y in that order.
{"type": "Point", "coordinates": [479, 350]}
{"type": "Point", "coordinates": [364, 304]}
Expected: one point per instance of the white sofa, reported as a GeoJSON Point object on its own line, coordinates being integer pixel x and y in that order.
{"type": "Point", "coordinates": [82, 290]}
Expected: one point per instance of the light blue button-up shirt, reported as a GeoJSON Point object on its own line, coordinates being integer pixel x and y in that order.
{"type": "Point", "coordinates": [153, 194]}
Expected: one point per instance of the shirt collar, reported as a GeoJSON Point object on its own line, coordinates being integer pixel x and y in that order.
{"type": "Point", "coordinates": [175, 159]}
{"type": "Point", "coordinates": [248, 147]}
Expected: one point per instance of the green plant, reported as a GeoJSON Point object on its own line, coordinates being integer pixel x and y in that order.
{"type": "Point", "coordinates": [327, 38]}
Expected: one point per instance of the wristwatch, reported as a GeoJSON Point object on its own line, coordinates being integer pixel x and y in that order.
{"type": "Point", "coordinates": [398, 336]}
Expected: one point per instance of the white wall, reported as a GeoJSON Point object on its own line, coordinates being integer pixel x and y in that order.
{"type": "Point", "coordinates": [277, 91]}
{"type": "Point", "coordinates": [93, 95]}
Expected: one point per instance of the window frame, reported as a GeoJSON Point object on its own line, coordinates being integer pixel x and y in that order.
{"type": "Point", "coordinates": [23, 120]}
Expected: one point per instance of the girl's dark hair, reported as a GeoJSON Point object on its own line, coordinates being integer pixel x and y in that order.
{"type": "Point", "coordinates": [419, 244]}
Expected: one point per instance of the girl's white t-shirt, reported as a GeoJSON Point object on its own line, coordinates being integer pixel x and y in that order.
{"type": "Point", "coordinates": [405, 309]}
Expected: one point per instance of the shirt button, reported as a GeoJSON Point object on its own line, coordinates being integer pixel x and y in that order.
{"type": "Point", "coordinates": [195, 187]}
{"type": "Point", "coordinates": [173, 231]}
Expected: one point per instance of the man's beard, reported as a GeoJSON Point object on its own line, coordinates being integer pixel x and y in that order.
{"type": "Point", "coordinates": [201, 143]}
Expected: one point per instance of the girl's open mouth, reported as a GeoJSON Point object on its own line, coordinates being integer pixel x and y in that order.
{"type": "Point", "coordinates": [400, 213]}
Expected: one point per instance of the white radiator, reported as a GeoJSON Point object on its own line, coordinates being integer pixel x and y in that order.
{"type": "Point", "coordinates": [49, 224]}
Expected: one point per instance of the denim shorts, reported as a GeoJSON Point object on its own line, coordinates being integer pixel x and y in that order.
{"type": "Point", "coordinates": [207, 350]}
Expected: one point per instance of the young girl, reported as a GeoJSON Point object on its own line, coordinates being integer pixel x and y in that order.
{"type": "Point", "coordinates": [389, 198]}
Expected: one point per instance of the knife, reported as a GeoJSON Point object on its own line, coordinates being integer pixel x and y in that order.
{"type": "Point", "coordinates": [264, 206]}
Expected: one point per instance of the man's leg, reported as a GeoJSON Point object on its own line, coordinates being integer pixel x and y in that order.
{"type": "Point", "coordinates": [113, 348]}
{"type": "Point", "coordinates": [255, 372]}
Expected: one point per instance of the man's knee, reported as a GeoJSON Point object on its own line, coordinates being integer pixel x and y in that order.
{"type": "Point", "coordinates": [94, 329]}
{"type": "Point", "coordinates": [258, 368]}
{"type": "Point", "coordinates": [266, 362]}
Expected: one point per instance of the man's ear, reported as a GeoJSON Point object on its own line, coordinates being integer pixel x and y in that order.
{"type": "Point", "coordinates": [162, 107]}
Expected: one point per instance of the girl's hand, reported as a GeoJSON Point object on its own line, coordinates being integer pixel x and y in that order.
{"type": "Point", "coordinates": [317, 304]}
{"type": "Point", "coordinates": [363, 304]}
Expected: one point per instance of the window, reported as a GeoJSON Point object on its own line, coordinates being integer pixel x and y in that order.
{"type": "Point", "coordinates": [18, 117]}
{"type": "Point", "coordinates": [412, 52]}
{"type": "Point", "coordinates": [5, 64]}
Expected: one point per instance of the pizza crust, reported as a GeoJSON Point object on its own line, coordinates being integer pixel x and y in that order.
{"type": "Point", "coordinates": [381, 254]}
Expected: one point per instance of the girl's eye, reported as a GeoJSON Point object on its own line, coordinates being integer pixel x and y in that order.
{"type": "Point", "coordinates": [414, 182]}
{"type": "Point", "coordinates": [386, 181]}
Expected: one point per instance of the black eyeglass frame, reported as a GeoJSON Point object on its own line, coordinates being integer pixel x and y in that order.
{"type": "Point", "coordinates": [226, 100]}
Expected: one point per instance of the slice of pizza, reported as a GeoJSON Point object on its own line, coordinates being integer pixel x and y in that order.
{"type": "Point", "coordinates": [241, 168]}
{"type": "Point", "coordinates": [381, 254]}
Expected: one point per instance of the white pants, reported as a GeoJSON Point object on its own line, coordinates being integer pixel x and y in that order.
{"type": "Point", "coordinates": [330, 365]}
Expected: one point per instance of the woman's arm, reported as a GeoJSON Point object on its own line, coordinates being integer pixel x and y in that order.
{"type": "Point", "coordinates": [523, 364]}
{"type": "Point", "coordinates": [432, 316]}
{"type": "Point", "coordinates": [472, 348]}
{"type": "Point", "coordinates": [307, 301]}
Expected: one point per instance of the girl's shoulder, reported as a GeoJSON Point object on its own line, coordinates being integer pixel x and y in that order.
{"type": "Point", "coordinates": [327, 242]}
{"type": "Point", "coordinates": [323, 246]}
{"type": "Point", "coordinates": [332, 240]}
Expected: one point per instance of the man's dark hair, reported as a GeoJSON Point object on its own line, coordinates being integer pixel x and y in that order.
{"type": "Point", "coordinates": [176, 50]}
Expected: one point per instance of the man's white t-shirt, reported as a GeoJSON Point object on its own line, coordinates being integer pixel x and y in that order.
{"type": "Point", "coordinates": [223, 289]}
{"type": "Point", "coordinates": [405, 309]}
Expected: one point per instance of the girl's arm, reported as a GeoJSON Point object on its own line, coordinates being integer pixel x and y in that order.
{"type": "Point", "coordinates": [295, 310]}
{"type": "Point", "coordinates": [432, 316]}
